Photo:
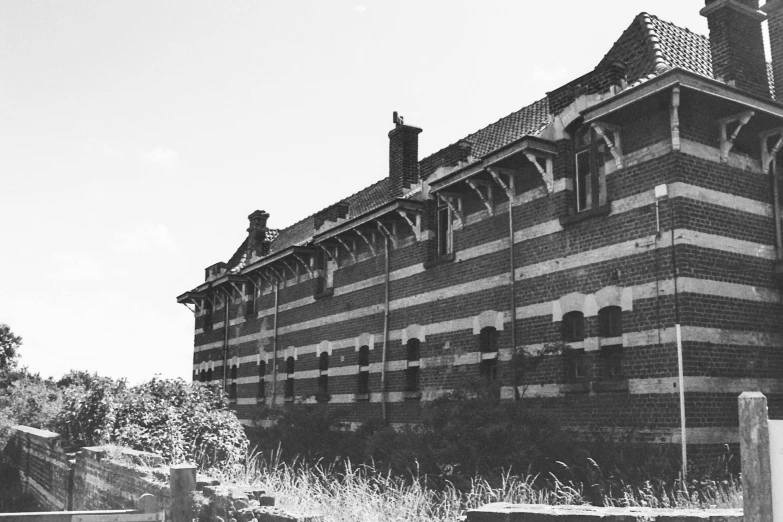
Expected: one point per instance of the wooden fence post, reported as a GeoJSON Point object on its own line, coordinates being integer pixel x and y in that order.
{"type": "Point", "coordinates": [182, 481]}
{"type": "Point", "coordinates": [754, 451]}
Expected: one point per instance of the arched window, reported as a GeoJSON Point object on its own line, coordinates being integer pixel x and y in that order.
{"type": "Point", "coordinates": [610, 321]}
{"type": "Point", "coordinates": [413, 348]}
{"type": "Point", "coordinates": [209, 375]}
{"type": "Point", "coordinates": [232, 388]}
{"type": "Point", "coordinates": [250, 300]}
{"type": "Point", "coordinates": [573, 327]}
{"type": "Point", "coordinates": [289, 381]}
{"type": "Point", "coordinates": [261, 379]}
{"type": "Point", "coordinates": [364, 371]}
{"type": "Point", "coordinates": [323, 373]}
{"type": "Point", "coordinates": [206, 321]}
{"type": "Point", "coordinates": [489, 353]}
{"type": "Point", "coordinates": [202, 376]}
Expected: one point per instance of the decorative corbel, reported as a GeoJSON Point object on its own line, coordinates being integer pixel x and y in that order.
{"type": "Point", "coordinates": [726, 141]}
{"type": "Point", "coordinates": [454, 201]}
{"type": "Point", "coordinates": [547, 171]}
{"type": "Point", "coordinates": [415, 224]}
{"type": "Point", "coordinates": [768, 154]}
{"type": "Point", "coordinates": [385, 231]}
{"type": "Point", "coordinates": [604, 130]}
{"type": "Point", "coordinates": [486, 199]}
{"type": "Point", "coordinates": [508, 188]}
{"type": "Point", "coordinates": [235, 287]}
{"type": "Point", "coordinates": [351, 251]}
{"type": "Point", "coordinates": [366, 240]}
{"type": "Point", "coordinates": [305, 265]}
{"type": "Point", "coordinates": [674, 118]}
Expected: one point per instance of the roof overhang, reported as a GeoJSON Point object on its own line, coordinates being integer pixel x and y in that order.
{"type": "Point", "coordinates": [190, 297]}
{"type": "Point", "coordinates": [687, 79]}
{"type": "Point", "coordinates": [522, 145]}
{"type": "Point", "coordinates": [277, 256]}
{"type": "Point", "coordinates": [393, 206]}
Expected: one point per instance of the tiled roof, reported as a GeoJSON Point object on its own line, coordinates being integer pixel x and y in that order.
{"type": "Point", "coordinates": [647, 47]}
{"type": "Point", "coordinates": [528, 121]}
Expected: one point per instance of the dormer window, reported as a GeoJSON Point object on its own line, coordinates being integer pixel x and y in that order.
{"type": "Point", "coordinates": [596, 147]}
{"type": "Point", "coordinates": [444, 233]}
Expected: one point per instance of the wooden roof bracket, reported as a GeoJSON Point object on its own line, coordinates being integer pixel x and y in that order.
{"type": "Point", "coordinates": [235, 287]}
{"type": "Point", "coordinates": [674, 118]}
{"type": "Point", "coordinates": [726, 141]}
{"type": "Point", "coordinates": [768, 154]}
{"type": "Point", "coordinates": [415, 224]}
{"type": "Point", "coordinates": [385, 231]}
{"type": "Point", "coordinates": [547, 171]}
{"type": "Point", "coordinates": [366, 240]}
{"type": "Point", "coordinates": [454, 201]}
{"type": "Point", "coordinates": [615, 147]}
{"type": "Point", "coordinates": [280, 277]}
{"type": "Point", "coordinates": [329, 254]}
{"type": "Point", "coordinates": [487, 200]}
{"type": "Point", "coordinates": [305, 265]}
{"type": "Point", "coordinates": [192, 310]}
{"type": "Point", "coordinates": [351, 251]}
{"type": "Point", "coordinates": [508, 188]}
{"type": "Point", "coordinates": [267, 279]}
{"type": "Point", "coordinates": [293, 268]}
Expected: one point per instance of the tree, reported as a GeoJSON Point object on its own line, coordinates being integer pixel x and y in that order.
{"type": "Point", "coordinates": [9, 346]}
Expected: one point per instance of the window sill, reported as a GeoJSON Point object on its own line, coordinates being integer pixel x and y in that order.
{"type": "Point", "coordinates": [577, 217]}
{"type": "Point", "coordinates": [440, 260]}
{"type": "Point", "coordinates": [412, 395]}
{"type": "Point", "coordinates": [576, 387]}
{"type": "Point", "coordinates": [362, 396]}
{"type": "Point", "coordinates": [329, 292]}
{"type": "Point", "coordinates": [614, 385]}
{"type": "Point", "coordinates": [288, 399]}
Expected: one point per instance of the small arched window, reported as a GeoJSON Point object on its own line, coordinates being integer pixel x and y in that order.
{"type": "Point", "coordinates": [364, 371]}
{"type": "Point", "coordinates": [209, 375]}
{"type": "Point", "coordinates": [289, 381]}
{"type": "Point", "coordinates": [610, 321]}
{"type": "Point", "coordinates": [323, 373]}
{"type": "Point", "coordinates": [261, 379]}
{"type": "Point", "coordinates": [413, 348]}
{"type": "Point", "coordinates": [202, 376]}
{"type": "Point", "coordinates": [232, 388]}
{"type": "Point", "coordinates": [489, 353]}
{"type": "Point", "coordinates": [573, 327]}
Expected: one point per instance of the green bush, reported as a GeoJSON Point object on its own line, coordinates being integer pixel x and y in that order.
{"type": "Point", "coordinates": [176, 419]}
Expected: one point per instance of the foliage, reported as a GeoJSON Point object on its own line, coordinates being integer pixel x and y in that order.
{"type": "Point", "coordinates": [9, 347]}
{"type": "Point", "coordinates": [88, 413]}
{"type": "Point", "coordinates": [178, 420]}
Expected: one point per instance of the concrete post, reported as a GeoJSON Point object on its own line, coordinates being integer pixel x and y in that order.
{"type": "Point", "coordinates": [182, 481]}
{"type": "Point", "coordinates": [754, 449]}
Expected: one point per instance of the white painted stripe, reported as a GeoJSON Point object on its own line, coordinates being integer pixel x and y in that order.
{"type": "Point", "coordinates": [668, 386]}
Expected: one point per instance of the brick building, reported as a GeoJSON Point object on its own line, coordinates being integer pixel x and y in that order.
{"type": "Point", "coordinates": [627, 213]}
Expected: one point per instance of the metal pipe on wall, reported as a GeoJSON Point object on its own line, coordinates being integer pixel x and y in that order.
{"type": "Point", "coordinates": [225, 341]}
{"type": "Point", "coordinates": [274, 344]}
{"type": "Point", "coordinates": [385, 327]}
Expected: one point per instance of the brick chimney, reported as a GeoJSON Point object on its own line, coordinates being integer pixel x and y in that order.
{"type": "Point", "coordinates": [774, 9]}
{"type": "Point", "coordinates": [737, 45]}
{"type": "Point", "coordinates": [256, 233]}
{"type": "Point", "coordinates": [403, 156]}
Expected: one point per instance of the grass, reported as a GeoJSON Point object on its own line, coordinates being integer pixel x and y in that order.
{"type": "Point", "coordinates": [360, 493]}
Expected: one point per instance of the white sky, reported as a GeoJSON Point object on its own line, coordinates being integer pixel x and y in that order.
{"type": "Point", "coordinates": [137, 136]}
